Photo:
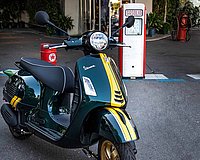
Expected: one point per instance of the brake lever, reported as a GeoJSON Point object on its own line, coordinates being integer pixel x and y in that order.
{"type": "Point", "coordinates": [123, 45]}
{"type": "Point", "coordinates": [119, 45]}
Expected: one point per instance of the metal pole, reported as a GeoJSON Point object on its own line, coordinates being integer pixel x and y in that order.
{"type": "Point", "coordinates": [109, 6]}
{"type": "Point", "coordinates": [90, 14]}
{"type": "Point", "coordinates": [85, 16]}
{"type": "Point", "coordinates": [93, 21]}
{"type": "Point", "coordinates": [81, 16]}
{"type": "Point", "coordinates": [99, 15]}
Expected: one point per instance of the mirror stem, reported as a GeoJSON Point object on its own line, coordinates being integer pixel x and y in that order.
{"type": "Point", "coordinates": [53, 25]}
{"type": "Point", "coordinates": [115, 32]}
{"type": "Point", "coordinates": [118, 29]}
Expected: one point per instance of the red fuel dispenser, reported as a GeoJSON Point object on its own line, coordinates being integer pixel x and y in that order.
{"type": "Point", "coordinates": [48, 55]}
{"type": "Point", "coordinates": [182, 27]}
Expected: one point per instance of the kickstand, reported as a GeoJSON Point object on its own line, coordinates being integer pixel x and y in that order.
{"type": "Point", "coordinates": [89, 153]}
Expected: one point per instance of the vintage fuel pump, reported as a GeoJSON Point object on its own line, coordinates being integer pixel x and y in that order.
{"type": "Point", "coordinates": [132, 59]}
{"type": "Point", "coordinates": [182, 27]}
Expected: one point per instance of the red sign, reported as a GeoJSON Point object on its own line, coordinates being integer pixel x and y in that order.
{"type": "Point", "coordinates": [134, 12]}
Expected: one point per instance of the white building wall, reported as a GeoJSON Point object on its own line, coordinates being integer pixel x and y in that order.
{"type": "Point", "coordinates": [72, 9]}
{"type": "Point", "coordinates": [196, 2]}
{"type": "Point", "coordinates": [148, 4]}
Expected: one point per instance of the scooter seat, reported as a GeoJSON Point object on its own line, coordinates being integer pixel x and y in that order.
{"type": "Point", "coordinates": [58, 78]}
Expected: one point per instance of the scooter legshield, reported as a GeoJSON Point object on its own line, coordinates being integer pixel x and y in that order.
{"type": "Point", "coordinates": [100, 80]}
{"type": "Point", "coordinates": [105, 108]}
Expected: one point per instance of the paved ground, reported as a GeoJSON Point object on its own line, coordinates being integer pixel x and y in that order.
{"type": "Point", "coordinates": [166, 112]}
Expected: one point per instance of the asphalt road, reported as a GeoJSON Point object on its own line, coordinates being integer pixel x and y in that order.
{"type": "Point", "coordinates": [166, 112]}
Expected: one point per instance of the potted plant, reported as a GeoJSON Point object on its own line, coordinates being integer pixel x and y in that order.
{"type": "Point", "coordinates": [11, 13]}
{"type": "Point", "coordinates": [154, 23]}
{"type": "Point", "coordinates": [166, 28]}
{"type": "Point", "coordinates": [5, 18]}
{"type": "Point", "coordinates": [52, 7]}
{"type": "Point", "coordinates": [64, 22]}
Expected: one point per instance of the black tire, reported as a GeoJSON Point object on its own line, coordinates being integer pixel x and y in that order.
{"type": "Point", "coordinates": [108, 150]}
{"type": "Point", "coordinates": [17, 133]}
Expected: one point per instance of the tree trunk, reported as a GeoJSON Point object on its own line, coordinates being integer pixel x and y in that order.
{"type": "Point", "coordinates": [165, 15]}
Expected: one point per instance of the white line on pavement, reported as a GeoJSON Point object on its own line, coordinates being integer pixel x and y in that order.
{"type": "Point", "coordinates": [155, 76]}
{"type": "Point", "coordinates": [194, 76]}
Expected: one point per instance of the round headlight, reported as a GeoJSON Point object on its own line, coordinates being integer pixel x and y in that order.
{"type": "Point", "coordinates": [99, 41]}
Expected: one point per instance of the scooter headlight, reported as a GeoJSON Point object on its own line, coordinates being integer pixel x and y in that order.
{"type": "Point", "coordinates": [99, 41]}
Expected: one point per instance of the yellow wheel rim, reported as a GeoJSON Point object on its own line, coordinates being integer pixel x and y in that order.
{"type": "Point", "coordinates": [109, 151]}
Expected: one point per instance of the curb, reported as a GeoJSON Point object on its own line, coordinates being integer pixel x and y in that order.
{"type": "Point", "coordinates": [157, 38]}
{"type": "Point", "coordinates": [39, 33]}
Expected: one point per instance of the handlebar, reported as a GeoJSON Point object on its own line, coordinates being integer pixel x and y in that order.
{"type": "Point", "coordinates": [78, 42]}
{"type": "Point", "coordinates": [52, 46]}
{"type": "Point", "coordinates": [91, 41]}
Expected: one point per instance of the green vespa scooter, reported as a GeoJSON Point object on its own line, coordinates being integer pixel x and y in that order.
{"type": "Point", "coordinates": [72, 111]}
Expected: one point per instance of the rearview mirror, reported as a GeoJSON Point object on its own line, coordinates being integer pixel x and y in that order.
{"type": "Point", "coordinates": [130, 21]}
{"type": "Point", "coordinates": [42, 17]}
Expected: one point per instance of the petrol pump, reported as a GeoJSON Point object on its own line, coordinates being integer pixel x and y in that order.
{"type": "Point", "coordinates": [182, 27]}
{"type": "Point", "coordinates": [132, 59]}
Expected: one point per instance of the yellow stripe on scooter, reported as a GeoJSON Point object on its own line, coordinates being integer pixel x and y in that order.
{"type": "Point", "coordinates": [128, 125]}
{"type": "Point", "coordinates": [112, 80]}
{"type": "Point", "coordinates": [124, 129]}
{"type": "Point", "coordinates": [13, 100]}
{"type": "Point", "coordinates": [16, 102]}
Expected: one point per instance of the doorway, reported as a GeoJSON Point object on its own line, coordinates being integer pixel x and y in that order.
{"type": "Point", "coordinates": [97, 14]}
{"type": "Point", "coordinates": [93, 15]}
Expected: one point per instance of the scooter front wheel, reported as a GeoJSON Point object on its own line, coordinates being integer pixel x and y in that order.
{"type": "Point", "coordinates": [108, 150]}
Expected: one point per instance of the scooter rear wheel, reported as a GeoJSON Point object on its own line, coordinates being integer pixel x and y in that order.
{"type": "Point", "coordinates": [17, 134]}
{"type": "Point", "coordinates": [108, 150]}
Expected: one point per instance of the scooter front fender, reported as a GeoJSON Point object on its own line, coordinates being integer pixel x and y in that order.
{"type": "Point", "coordinates": [119, 125]}
{"type": "Point", "coordinates": [113, 124]}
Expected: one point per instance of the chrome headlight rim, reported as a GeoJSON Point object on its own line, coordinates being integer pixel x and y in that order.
{"type": "Point", "coordinates": [98, 40]}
